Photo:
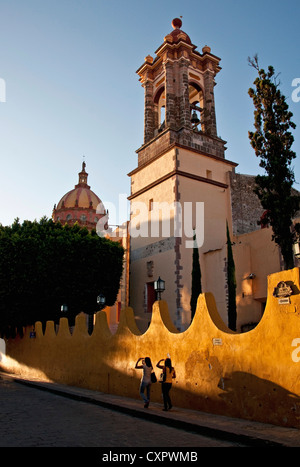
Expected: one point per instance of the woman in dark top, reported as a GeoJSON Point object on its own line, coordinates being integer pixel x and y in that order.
{"type": "Point", "coordinates": [168, 375]}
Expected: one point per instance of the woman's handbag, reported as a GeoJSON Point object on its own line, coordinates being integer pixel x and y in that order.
{"type": "Point", "coordinates": [153, 377]}
{"type": "Point", "coordinates": [162, 377]}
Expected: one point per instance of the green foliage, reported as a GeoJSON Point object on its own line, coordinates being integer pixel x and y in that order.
{"type": "Point", "coordinates": [196, 278]}
{"type": "Point", "coordinates": [272, 142]}
{"type": "Point", "coordinates": [44, 265]}
{"type": "Point", "coordinates": [231, 282]}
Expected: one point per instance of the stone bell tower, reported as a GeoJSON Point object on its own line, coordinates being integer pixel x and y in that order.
{"type": "Point", "coordinates": [179, 94]}
{"type": "Point", "coordinates": [181, 164]}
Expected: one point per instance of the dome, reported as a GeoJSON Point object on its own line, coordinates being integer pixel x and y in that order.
{"type": "Point", "coordinates": [80, 196]}
{"type": "Point", "coordinates": [79, 205]}
{"type": "Point", "coordinates": [177, 34]}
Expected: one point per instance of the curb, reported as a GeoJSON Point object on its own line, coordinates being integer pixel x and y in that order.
{"type": "Point", "coordinates": [201, 429]}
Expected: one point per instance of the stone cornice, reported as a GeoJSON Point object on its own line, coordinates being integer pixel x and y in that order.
{"type": "Point", "coordinates": [180, 146]}
{"type": "Point", "coordinates": [173, 173]}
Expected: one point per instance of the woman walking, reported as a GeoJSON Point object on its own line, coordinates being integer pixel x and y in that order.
{"type": "Point", "coordinates": [146, 366]}
{"type": "Point", "coordinates": [168, 375]}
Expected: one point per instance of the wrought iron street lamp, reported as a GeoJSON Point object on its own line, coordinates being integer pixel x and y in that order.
{"type": "Point", "coordinates": [159, 287]}
{"type": "Point", "coordinates": [296, 249]}
{"type": "Point", "coordinates": [64, 308]}
{"type": "Point", "coordinates": [101, 301]}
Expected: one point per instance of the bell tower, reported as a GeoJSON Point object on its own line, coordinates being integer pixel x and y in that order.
{"type": "Point", "coordinates": [181, 166]}
{"type": "Point", "coordinates": [179, 94]}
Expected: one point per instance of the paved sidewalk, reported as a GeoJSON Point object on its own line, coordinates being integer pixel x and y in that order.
{"type": "Point", "coordinates": [226, 428]}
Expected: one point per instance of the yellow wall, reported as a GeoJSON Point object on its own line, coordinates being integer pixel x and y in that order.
{"type": "Point", "coordinates": [254, 253]}
{"type": "Point", "coordinates": [199, 179]}
{"type": "Point", "coordinates": [255, 375]}
{"type": "Point", "coordinates": [213, 249]}
{"type": "Point", "coordinates": [158, 168]}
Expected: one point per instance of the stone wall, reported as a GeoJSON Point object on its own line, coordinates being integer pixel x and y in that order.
{"type": "Point", "coordinates": [254, 375]}
{"type": "Point", "coordinates": [246, 207]}
{"type": "Point", "coordinates": [197, 141]}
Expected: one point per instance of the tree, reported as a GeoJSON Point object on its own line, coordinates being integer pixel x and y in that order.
{"type": "Point", "coordinates": [231, 283]}
{"type": "Point", "coordinates": [44, 265]}
{"type": "Point", "coordinates": [272, 142]}
{"type": "Point", "coordinates": [196, 278]}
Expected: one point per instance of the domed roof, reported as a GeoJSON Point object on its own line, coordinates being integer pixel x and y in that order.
{"type": "Point", "coordinates": [80, 205]}
{"type": "Point", "coordinates": [81, 196]}
{"type": "Point", "coordinates": [177, 34]}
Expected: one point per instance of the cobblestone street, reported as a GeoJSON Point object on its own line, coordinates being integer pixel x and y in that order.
{"type": "Point", "coordinates": [34, 418]}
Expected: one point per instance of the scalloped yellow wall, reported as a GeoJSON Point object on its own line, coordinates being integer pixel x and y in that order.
{"type": "Point", "coordinates": [255, 375]}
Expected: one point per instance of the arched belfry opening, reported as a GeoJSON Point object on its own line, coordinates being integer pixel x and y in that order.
{"type": "Point", "coordinates": [197, 106]}
{"type": "Point", "coordinates": [159, 110]}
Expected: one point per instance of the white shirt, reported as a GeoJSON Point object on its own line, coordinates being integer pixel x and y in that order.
{"type": "Point", "coordinates": [147, 370]}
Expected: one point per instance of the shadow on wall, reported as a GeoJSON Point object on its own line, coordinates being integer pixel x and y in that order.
{"type": "Point", "coordinates": [250, 375]}
{"type": "Point", "coordinates": [244, 395]}
{"type": "Point", "coordinates": [257, 396]}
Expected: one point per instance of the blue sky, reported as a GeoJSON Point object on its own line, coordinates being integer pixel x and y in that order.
{"type": "Point", "coordinates": [72, 88]}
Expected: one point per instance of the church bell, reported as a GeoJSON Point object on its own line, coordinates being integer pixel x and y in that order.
{"type": "Point", "coordinates": [195, 120]}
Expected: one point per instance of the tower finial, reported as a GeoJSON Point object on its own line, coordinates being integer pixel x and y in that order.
{"type": "Point", "coordinates": [176, 23]}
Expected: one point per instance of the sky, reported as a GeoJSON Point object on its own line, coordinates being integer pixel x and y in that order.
{"type": "Point", "coordinates": [69, 90]}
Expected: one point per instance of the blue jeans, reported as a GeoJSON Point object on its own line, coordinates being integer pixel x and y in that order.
{"type": "Point", "coordinates": [144, 386]}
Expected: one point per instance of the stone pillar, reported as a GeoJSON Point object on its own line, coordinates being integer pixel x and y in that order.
{"type": "Point", "coordinates": [209, 115]}
{"type": "Point", "coordinates": [184, 98]}
{"type": "Point", "coordinates": [170, 111]}
{"type": "Point", "coordinates": [149, 123]}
